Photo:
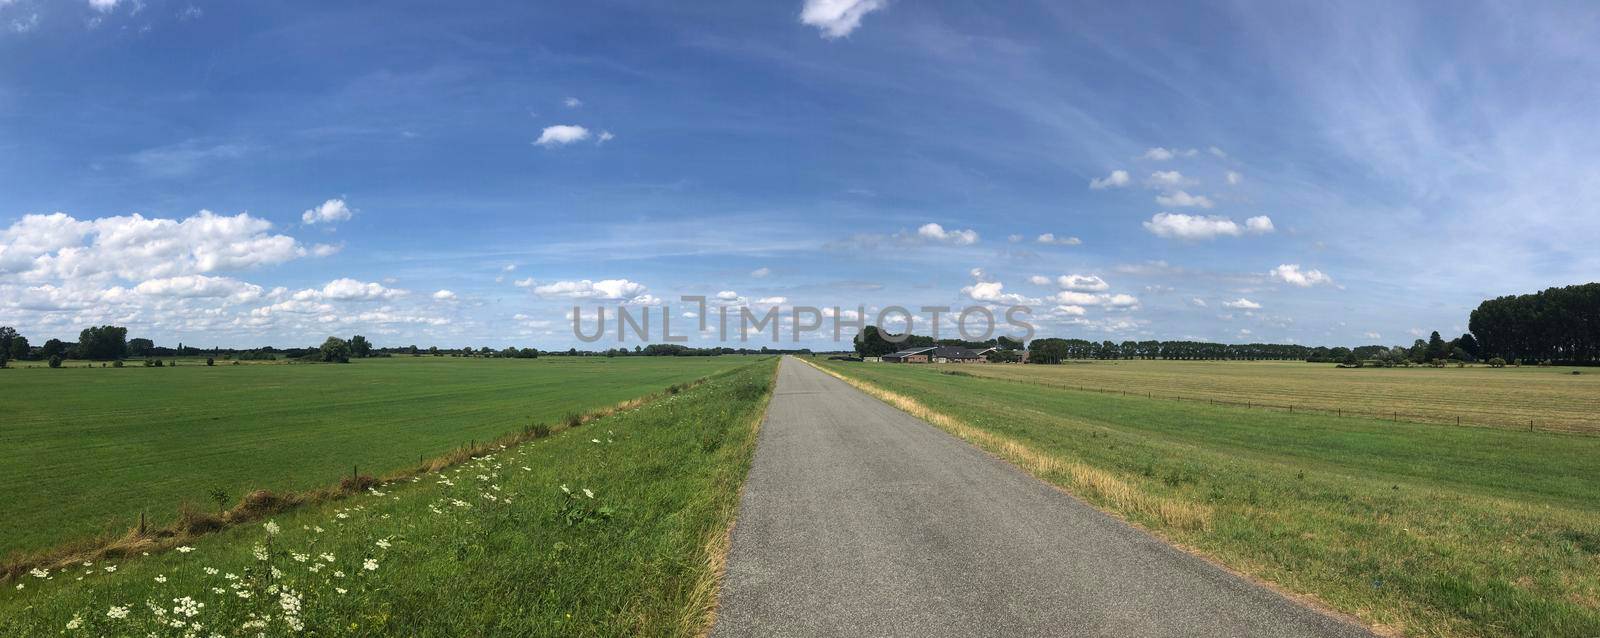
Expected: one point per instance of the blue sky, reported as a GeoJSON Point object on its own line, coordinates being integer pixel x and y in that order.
{"type": "Point", "coordinates": [464, 173]}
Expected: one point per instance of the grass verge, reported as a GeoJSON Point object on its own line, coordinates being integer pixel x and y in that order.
{"type": "Point", "coordinates": [1414, 529]}
{"type": "Point", "coordinates": [612, 528]}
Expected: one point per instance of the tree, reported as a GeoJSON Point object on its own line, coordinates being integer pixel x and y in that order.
{"type": "Point", "coordinates": [19, 348]}
{"type": "Point", "coordinates": [1468, 344]}
{"type": "Point", "coordinates": [360, 347]}
{"type": "Point", "coordinates": [1419, 351]}
{"type": "Point", "coordinates": [52, 348]}
{"type": "Point", "coordinates": [1007, 343]}
{"type": "Point", "coordinates": [1437, 348]}
{"type": "Point", "coordinates": [335, 350]}
{"type": "Point", "coordinates": [8, 335]}
{"type": "Point", "coordinates": [103, 342]}
{"type": "Point", "coordinates": [55, 361]}
{"type": "Point", "coordinates": [140, 347]}
{"type": "Point", "coordinates": [1049, 351]}
{"type": "Point", "coordinates": [433, 350]}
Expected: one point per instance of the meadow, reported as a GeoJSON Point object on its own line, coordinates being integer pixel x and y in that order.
{"type": "Point", "coordinates": [1416, 529]}
{"type": "Point", "coordinates": [83, 451]}
{"type": "Point", "coordinates": [1547, 398]}
{"type": "Point", "coordinates": [614, 527]}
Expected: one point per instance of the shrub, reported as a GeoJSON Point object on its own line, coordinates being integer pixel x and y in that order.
{"type": "Point", "coordinates": [539, 430]}
{"type": "Point", "coordinates": [117, 363]}
{"type": "Point", "coordinates": [359, 483]}
{"type": "Point", "coordinates": [1497, 362]}
{"type": "Point", "coordinates": [210, 361]}
{"type": "Point", "coordinates": [55, 361]}
{"type": "Point", "coordinates": [573, 419]}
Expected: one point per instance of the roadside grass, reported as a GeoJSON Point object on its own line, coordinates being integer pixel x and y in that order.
{"type": "Point", "coordinates": [1416, 529]}
{"type": "Point", "coordinates": [613, 528]}
{"type": "Point", "coordinates": [85, 451]}
{"type": "Point", "coordinates": [1547, 398]}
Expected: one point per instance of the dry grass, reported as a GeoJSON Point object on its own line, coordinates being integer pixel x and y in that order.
{"type": "Point", "coordinates": [1089, 483]}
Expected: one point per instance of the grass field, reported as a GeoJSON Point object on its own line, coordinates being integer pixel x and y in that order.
{"type": "Point", "coordinates": [83, 451]}
{"type": "Point", "coordinates": [1549, 398]}
{"type": "Point", "coordinates": [1420, 529]}
{"type": "Point", "coordinates": [614, 528]}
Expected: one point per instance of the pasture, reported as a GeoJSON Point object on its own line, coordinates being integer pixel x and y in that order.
{"type": "Point", "coordinates": [616, 527]}
{"type": "Point", "coordinates": [84, 450]}
{"type": "Point", "coordinates": [1548, 398]}
{"type": "Point", "coordinates": [1422, 529]}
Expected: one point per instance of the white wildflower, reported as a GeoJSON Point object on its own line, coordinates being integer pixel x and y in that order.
{"type": "Point", "coordinates": [117, 613]}
{"type": "Point", "coordinates": [370, 565]}
{"type": "Point", "coordinates": [185, 549]}
{"type": "Point", "coordinates": [75, 623]}
{"type": "Point", "coordinates": [161, 578]}
{"type": "Point", "coordinates": [588, 493]}
{"type": "Point", "coordinates": [272, 528]}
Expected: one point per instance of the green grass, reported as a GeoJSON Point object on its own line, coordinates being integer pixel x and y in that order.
{"type": "Point", "coordinates": [638, 558]}
{"type": "Point", "coordinates": [1427, 529]}
{"type": "Point", "coordinates": [84, 451]}
{"type": "Point", "coordinates": [1548, 398]}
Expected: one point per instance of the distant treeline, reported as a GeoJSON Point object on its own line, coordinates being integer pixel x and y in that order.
{"type": "Point", "coordinates": [1557, 325]}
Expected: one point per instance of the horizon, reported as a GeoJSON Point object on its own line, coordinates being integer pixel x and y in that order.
{"type": "Point", "coordinates": [240, 175]}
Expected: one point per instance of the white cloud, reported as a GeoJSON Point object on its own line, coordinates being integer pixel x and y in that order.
{"type": "Point", "coordinates": [605, 136]}
{"type": "Point", "coordinates": [1039, 280]}
{"type": "Point", "coordinates": [103, 5]}
{"type": "Point", "coordinates": [1180, 199]}
{"type": "Point", "coordinates": [333, 210]}
{"type": "Point", "coordinates": [1075, 298]}
{"type": "Point", "coordinates": [1117, 179]}
{"type": "Point", "coordinates": [1121, 300]}
{"type": "Point", "coordinates": [1196, 227]}
{"type": "Point", "coordinates": [1198, 302]}
{"type": "Point", "coordinates": [1090, 283]}
{"type": "Point", "coordinates": [1076, 311]}
{"type": "Point", "coordinates": [561, 135]}
{"type": "Point", "coordinates": [1218, 152]}
{"type": "Point", "coordinates": [523, 283]}
{"type": "Point", "coordinates": [772, 301]}
{"type": "Point", "coordinates": [586, 289]}
{"type": "Point", "coordinates": [1372, 335]}
{"type": "Point", "coordinates": [1050, 238]}
{"type": "Point", "coordinates": [326, 250]}
{"type": "Point", "coordinates": [761, 272]}
{"type": "Point", "coordinates": [728, 295]}
{"type": "Point", "coordinates": [935, 232]}
{"type": "Point", "coordinates": [1291, 274]}
{"type": "Point", "coordinates": [837, 18]}
{"type": "Point", "coordinates": [1242, 304]}
{"type": "Point", "coordinates": [1234, 178]}
{"type": "Point", "coordinates": [572, 102]}
{"type": "Point", "coordinates": [347, 289]}
{"type": "Point", "coordinates": [199, 286]}
{"type": "Point", "coordinates": [994, 292]}
{"type": "Point", "coordinates": [444, 295]}
{"type": "Point", "coordinates": [1015, 239]}
{"type": "Point", "coordinates": [1167, 179]}
{"type": "Point", "coordinates": [41, 248]}
{"type": "Point", "coordinates": [24, 24]}
{"type": "Point", "coordinates": [1260, 224]}
{"type": "Point", "coordinates": [508, 268]}
{"type": "Point", "coordinates": [1160, 154]}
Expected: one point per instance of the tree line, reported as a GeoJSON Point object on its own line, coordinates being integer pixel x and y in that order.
{"type": "Point", "coordinates": [1555, 325]}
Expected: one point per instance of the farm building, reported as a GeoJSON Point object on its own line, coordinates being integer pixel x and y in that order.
{"type": "Point", "coordinates": [939, 354]}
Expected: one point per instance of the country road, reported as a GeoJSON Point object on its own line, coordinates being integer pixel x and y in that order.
{"type": "Point", "coordinates": [860, 520]}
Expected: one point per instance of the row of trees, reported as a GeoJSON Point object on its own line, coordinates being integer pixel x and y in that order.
{"type": "Point", "coordinates": [1557, 325]}
{"type": "Point", "coordinates": [872, 342]}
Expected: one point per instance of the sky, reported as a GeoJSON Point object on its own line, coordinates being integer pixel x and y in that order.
{"type": "Point", "coordinates": [245, 174]}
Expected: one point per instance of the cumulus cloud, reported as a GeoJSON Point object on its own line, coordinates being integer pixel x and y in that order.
{"type": "Point", "coordinates": [994, 292]}
{"type": "Point", "coordinates": [935, 232]}
{"type": "Point", "coordinates": [585, 289]}
{"type": "Point", "coordinates": [1117, 179]}
{"type": "Point", "coordinates": [1090, 283]}
{"type": "Point", "coordinates": [199, 286]}
{"type": "Point", "coordinates": [523, 283]}
{"type": "Point", "coordinates": [1160, 154]}
{"type": "Point", "coordinates": [1291, 274]}
{"type": "Point", "coordinates": [1196, 227]}
{"type": "Point", "coordinates": [326, 250]}
{"type": "Point", "coordinates": [1050, 238]}
{"type": "Point", "coordinates": [561, 135]}
{"type": "Point", "coordinates": [1234, 178]}
{"type": "Point", "coordinates": [761, 272]}
{"type": "Point", "coordinates": [1167, 179]}
{"type": "Point", "coordinates": [773, 301]}
{"type": "Point", "coordinates": [837, 18]}
{"type": "Point", "coordinates": [1180, 199]}
{"type": "Point", "coordinates": [103, 5]}
{"type": "Point", "coordinates": [40, 248]}
{"type": "Point", "coordinates": [1242, 304]}
{"type": "Point", "coordinates": [331, 211]}
{"type": "Point", "coordinates": [572, 102]}
{"type": "Point", "coordinates": [347, 289]}
{"type": "Point", "coordinates": [1076, 298]}
{"type": "Point", "coordinates": [444, 295]}
{"type": "Point", "coordinates": [1198, 302]}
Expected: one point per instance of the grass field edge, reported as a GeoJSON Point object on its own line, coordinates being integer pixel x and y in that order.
{"type": "Point", "coordinates": [261, 504]}
{"type": "Point", "coordinates": [1092, 480]}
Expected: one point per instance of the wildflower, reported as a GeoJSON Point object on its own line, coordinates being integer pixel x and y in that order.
{"type": "Point", "coordinates": [161, 578]}
{"type": "Point", "coordinates": [300, 558]}
{"type": "Point", "coordinates": [21, 585]}
{"type": "Point", "coordinates": [75, 623]}
{"type": "Point", "coordinates": [326, 557]}
{"type": "Point", "coordinates": [594, 440]}
{"type": "Point", "coordinates": [186, 607]}
{"type": "Point", "coordinates": [588, 493]}
{"type": "Point", "coordinates": [260, 551]}
{"type": "Point", "coordinates": [342, 515]}
{"type": "Point", "coordinates": [564, 488]}
{"type": "Point", "coordinates": [272, 528]}
{"type": "Point", "coordinates": [185, 549]}
{"type": "Point", "coordinates": [338, 574]}
{"type": "Point", "coordinates": [317, 529]}
{"type": "Point", "coordinates": [111, 568]}
{"type": "Point", "coordinates": [39, 573]}
{"type": "Point", "coordinates": [370, 565]}
{"type": "Point", "coordinates": [211, 571]}
{"type": "Point", "coordinates": [117, 613]}
{"type": "Point", "coordinates": [383, 543]}
{"type": "Point", "coordinates": [341, 590]}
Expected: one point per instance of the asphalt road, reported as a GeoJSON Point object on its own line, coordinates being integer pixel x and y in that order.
{"type": "Point", "coordinates": [860, 520]}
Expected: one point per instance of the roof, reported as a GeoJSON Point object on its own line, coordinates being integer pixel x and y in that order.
{"type": "Point", "coordinates": [911, 351]}
{"type": "Point", "coordinates": [958, 352]}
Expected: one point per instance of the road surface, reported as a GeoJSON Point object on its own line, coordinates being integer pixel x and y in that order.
{"type": "Point", "coordinates": [860, 520]}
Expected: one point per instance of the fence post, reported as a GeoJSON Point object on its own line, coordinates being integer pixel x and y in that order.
{"type": "Point", "coordinates": [141, 524]}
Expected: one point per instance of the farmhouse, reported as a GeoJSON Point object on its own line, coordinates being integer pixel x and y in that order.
{"type": "Point", "coordinates": [939, 354]}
